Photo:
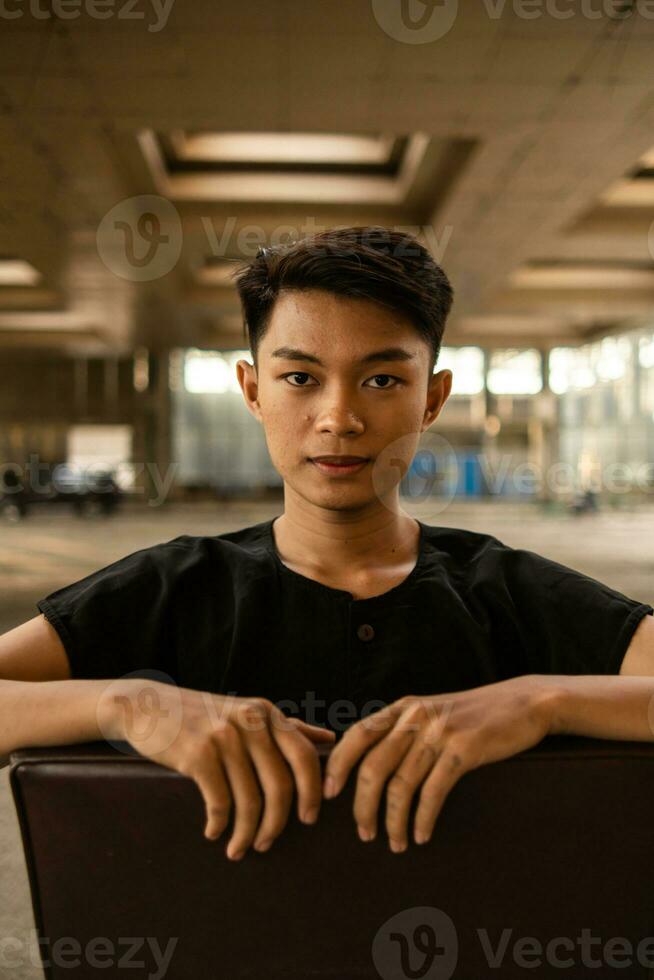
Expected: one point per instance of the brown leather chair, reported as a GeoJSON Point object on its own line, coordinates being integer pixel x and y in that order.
{"type": "Point", "coordinates": [539, 865]}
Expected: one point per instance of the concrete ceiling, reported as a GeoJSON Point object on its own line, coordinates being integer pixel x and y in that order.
{"type": "Point", "coordinates": [522, 135]}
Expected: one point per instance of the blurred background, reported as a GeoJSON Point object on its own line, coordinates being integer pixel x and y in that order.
{"type": "Point", "coordinates": [147, 148]}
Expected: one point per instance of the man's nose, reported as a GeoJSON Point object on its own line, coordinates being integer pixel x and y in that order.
{"type": "Point", "coordinates": [338, 417]}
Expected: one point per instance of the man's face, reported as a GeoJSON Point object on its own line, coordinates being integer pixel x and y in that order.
{"type": "Point", "coordinates": [342, 405]}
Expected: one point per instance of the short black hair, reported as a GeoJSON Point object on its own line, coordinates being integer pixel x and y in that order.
{"type": "Point", "coordinates": [365, 262]}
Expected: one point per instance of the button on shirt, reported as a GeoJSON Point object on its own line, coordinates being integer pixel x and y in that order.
{"type": "Point", "coordinates": [224, 614]}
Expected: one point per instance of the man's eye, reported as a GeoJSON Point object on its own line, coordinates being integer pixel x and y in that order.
{"type": "Point", "coordinates": [376, 377]}
{"type": "Point", "coordinates": [297, 374]}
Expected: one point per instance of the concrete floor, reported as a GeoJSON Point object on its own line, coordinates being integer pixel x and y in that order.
{"type": "Point", "coordinates": [55, 548]}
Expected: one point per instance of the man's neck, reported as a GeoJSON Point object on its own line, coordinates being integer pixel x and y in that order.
{"type": "Point", "coordinates": [384, 544]}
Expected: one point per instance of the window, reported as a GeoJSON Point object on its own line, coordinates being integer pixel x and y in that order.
{"type": "Point", "coordinates": [515, 372]}
{"type": "Point", "coordinates": [646, 351]}
{"type": "Point", "coordinates": [583, 367]}
{"type": "Point", "coordinates": [569, 368]}
{"type": "Point", "coordinates": [467, 367]}
{"type": "Point", "coordinates": [612, 358]}
{"type": "Point", "coordinates": [212, 372]}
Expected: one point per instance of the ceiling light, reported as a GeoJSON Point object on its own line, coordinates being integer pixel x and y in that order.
{"type": "Point", "coordinates": [581, 276]}
{"type": "Point", "coordinates": [282, 147]}
{"type": "Point", "coordinates": [16, 272]}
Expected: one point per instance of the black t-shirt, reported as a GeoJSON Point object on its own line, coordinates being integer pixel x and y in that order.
{"type": "Point", "coordinates": [222, 613]}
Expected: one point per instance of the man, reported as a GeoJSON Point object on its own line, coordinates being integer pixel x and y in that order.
{"type": "Point", "coordinates": [431, 650]}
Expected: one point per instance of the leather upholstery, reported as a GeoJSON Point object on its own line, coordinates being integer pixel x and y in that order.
{"type": "Point", "coordinates": [545, 844]}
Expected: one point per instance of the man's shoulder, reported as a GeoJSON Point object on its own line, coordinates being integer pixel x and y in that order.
{"type": "Point", "coordinates": [244, 542]}
{"type": "Point", "coordinates": [461, 542]}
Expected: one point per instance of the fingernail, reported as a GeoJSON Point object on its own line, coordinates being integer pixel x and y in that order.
{"type": "Point", "coordinates": [262, 845]}
{"type": "Point", "coordinates": [235, 855]}
{"type": "Point", "coordinates": [330, 787]}
{"type": "Point", "coordinates": [365, 834]}
{"type": "Point", "coordinates": [397, 846]}
{"type": "Point", "coordinates": [311, 815]}
{"type": "Point", "coordinates": [420, 838]}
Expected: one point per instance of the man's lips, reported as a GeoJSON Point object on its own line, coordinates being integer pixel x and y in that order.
{"type": "Point", "coordinates": [339, 469]}
{"type": "Point", "coordinates": [339, 460]}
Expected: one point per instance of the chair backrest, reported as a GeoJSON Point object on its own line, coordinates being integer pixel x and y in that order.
{"type": "Point", "coordinates": [540, 864]}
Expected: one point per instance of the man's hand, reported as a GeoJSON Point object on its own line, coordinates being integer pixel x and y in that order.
{"type": "Point", "coordinates": [433, 741]}
{"type": "Point", "coordinates": [230, 746]}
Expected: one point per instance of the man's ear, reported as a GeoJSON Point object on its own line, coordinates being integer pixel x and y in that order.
{"type": "Point", "coordinates": [440, 386]}
{"type": "Point", "coordinates": [246, 375]}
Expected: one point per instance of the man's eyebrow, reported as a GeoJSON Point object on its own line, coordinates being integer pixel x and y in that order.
{"type": "Point", "coordinates": [387, 354]}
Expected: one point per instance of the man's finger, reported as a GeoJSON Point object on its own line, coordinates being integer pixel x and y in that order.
{"type": "Point", "coordinates": [446, 773]}
{"type": "Point", "coordinates": [379, 763]}
{"type": "Point", "coordinates": [209, 776]}
{"type": "Point", "coordinates": [304, 761]}
{"type": "Point", "coordinates": [245, 791]}
{"type": "Point", "coordinates": [355, 742]}
{"type": "Point", "coordinates": [315, 732]}
{"type": "Point", "coordinates": [412, 771]}
{"type": "Point", "coordinates": [277, 785]}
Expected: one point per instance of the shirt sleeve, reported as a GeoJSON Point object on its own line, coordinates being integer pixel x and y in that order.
{"type": "Point", "coordinates": [546, 618]}
{"type": "Point", "coordinates": [113, 622]}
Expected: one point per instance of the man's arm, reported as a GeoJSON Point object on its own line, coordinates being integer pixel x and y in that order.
{"type": "Point", "coordinates": [58, 711]}
{"type": "Point", "coordinates": [450, 734]}
{"type": "Point", "coordinates": [54, 713]}
{"type": "Point", "coordinates": [33, 652]}
{"type": "Point", "coordinates": [601, 706]}
{"type": "Point", "coordinates": [639, 658]}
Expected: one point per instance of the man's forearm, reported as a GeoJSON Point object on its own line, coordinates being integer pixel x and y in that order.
{"type": "Point", "coordinates": [600, 706]}
{"type": "Point", "coordinates": [54, 713]}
